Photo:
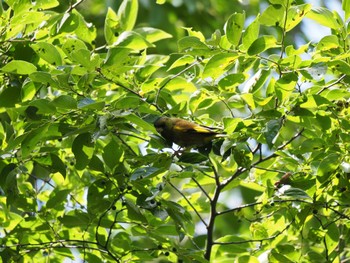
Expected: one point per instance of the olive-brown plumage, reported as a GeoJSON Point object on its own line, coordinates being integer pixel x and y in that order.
{"type": "Point", "coordinates": [184, 133]}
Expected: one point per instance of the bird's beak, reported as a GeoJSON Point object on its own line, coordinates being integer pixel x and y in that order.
{"type": "Point", "coordinates": [159, 130]}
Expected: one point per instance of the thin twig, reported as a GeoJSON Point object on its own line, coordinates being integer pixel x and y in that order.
{"type": "Point", "coordinates": [330, 85]}
{"type": "Point", "coordinates": [202, 189]}
{"type": "Point", "coordinates": [71, 7]}
{"type": "Point", "coordinates": [189, 203]}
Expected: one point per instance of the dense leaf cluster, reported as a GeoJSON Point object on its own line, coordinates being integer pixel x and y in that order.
{"type": "Point", "coordinates": [84, 175]}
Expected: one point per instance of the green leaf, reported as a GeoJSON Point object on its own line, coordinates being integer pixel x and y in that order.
{"type": "Point", "coordinates": [232, 81]}
{"type": "Point", "coordinates": [43, 106]}
{"type": "Point", "coordinates": [57, 164]}
{"type": "Point", "coordinates": [112, 154]}
{"type": "Point", "coordinates": [285, 86]}
{"type": "Point", "coordinates": [292, 192]}
{"type": "Point", "coordinates": [134, 212]}
{"type": "Point", "coordinates": [75, 22]}
{"type": "Point", "coordinates": [90, 104]}
{"type": "Point", "coordinates": [71, 44]}
{"type": "Point", "coordinates": [327, 166]}
{"type": "Point", "coordinates": [152, 34]}
{"type": "Point", "coordinates": [57, 198]}
{"type": "Point", "coordinates": [112, 26]}
{"type": "Point", "coordinates": [65, 102]}
{"type": "Point", "coordinates": [271, 131]}
{"type": "Point", "coordinates": [346, 8]}
{"type": "Point", "coordinates": [340, 66]}
{"type": "Point", "coordinates": [328, 43]}
{"type": "Point", "coordinates": [10, 96]}
{"type": "Point", "coordinates": [132, 40]}
{"type": "Point", "coordinates": [247, 259]}
{"type": "Point", "coordinates": [191, 157]}
{"type": "Point", "coordinates": [19, 67]}
{"type": "Point", "coordinates": [48, 52]}
{"type": "Point", "coordinates": [261, 44]}
{"type": "Point", "coordinates": [250, 34]}
{"type": "Point", "coordinates": [32, 139]}
{"type": "Point", "coordinates": [273, 15]}
{"type": "Point", "coordinates": [234, 27]}
{"type": "Point", "coordinates": [43, 77]}
{"type": "Point", "coordinates": [83, 149]}
{"type": "Point", "coordinates": [258, 230]}
{"type": "Point", "coordinates": [332, 237]}
{"type": "Point", "coordinates": [191, 42]}
{"type": "Point", "coordinates": [324, 17]}
{"type": "Point", "coordinates": [182, 61]}
{"type": "Point", "coordinates": [296, 14]}
{"type": "Point", "coordinates": [119, 60]}
{"type": "Point", "coordinates": [218, 65]}
{"type": "Point", "coordinates": [127, 13]}
{"type": "Point", "coordinates": [145, 172]}
{"type": "Point", "coordinates": [85, 59]}
{"type": "Point", "coordinates": [75, 218]}
{"type": "Point", "coordinates": [316, 71]}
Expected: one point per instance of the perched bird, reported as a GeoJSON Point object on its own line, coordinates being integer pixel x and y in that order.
{"type": "Point", "coordinates": [185, 133]}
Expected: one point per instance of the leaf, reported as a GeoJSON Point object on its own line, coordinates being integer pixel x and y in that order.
{"type": "Point", "coordinates": [90, 104]}
{"type": "Point", "coordinates": [182, 61]}
{"type": "Point", "coordinates": [65, 102]}
{"type": "Point", "coordinates": [328, 43]}
{"type": "Point", "coordinates": [10, 96]}
{"type": "Point", "coordinates": [84, 58]}
{"type": "Point", "coordinates": [127, 13]}
{"type": "Point", "coordinates": [119, 60]}
{"type": "Point", "coordinates": [232, 81]}
{"type": "Point", "coordinates": [19, 67]}
{"type": "Point", "coordinates": [271, 131]}
{"type": "Point", "coordinates": [152, 34]}
{"type": "Point", "coordinates": [134, 212]}
{"type": "Point", "coordinates": [57, 164]}
{"type": "Point", "coordinates": [295, 15]}
{"type": "Point", "coordinates": [48, 52]}
{"type": "Point", "coordinates": [328, 165]}
{"type": "Point", "coordinates": [316, 71]}
{"type": "Point", "coordinates": [285, 86]}
{"type": "Point", "coordinates": [57, 198]}
{"type": "Point", "coordinates": [112, 27]}
{"type": "Point", "coordinates": [250, 34]}
{"type": "Point", "coordinates": [273, 15]}
{"type": "Point", "coordinates": [190, 157]}
{"type": "Point", "coordinates": [71, 44]}
{"type": "Point", "coordinates": [234, 27]}
{"type": "Point", "coordinates": [132, 40]}
{"type": "Point", "coordinates": [324, 17]}
{"type": "Point", "coordinates": [112, 154]}
{"type": "Point", "coordinates": [340, 66]}
{"type": "Point", "coordinates": [43, 106]}
{"type": "Point", "coordinates": [332, 237]}
{"type": "Point", "coordinates": [292, 192]}
{"type": "Point", "coordinates": [219, 64]}
{"type": "Point", "coordinates": [190, 42]}
{"type": "Point", "coordinates": [261, 44]}
{"type": "Point", "coordinates": [145, 172]}
{"type": "Point", "coordinates": [83, 150]}
{"type": "Point", "coordinates": [346, 8]}
{"type": "Point", "coordinates": [32, 139]}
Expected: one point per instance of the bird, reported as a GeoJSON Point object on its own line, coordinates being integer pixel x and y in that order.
{"type": "Point", "coordinates": [185, 133]}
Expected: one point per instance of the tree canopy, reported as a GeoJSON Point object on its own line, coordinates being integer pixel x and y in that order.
{"type": "Point", "coordinates": [86, 177]}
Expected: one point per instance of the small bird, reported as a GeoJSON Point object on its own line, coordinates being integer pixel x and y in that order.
{"type": "Point", "coordinates": [185, 133]}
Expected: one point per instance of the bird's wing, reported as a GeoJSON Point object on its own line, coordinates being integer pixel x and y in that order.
{"type": "Point", "coordinates": [191, 128]}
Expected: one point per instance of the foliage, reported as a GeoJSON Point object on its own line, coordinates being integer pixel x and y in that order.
{"type": "Point", "coordinates": [84, 175]}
